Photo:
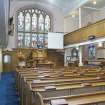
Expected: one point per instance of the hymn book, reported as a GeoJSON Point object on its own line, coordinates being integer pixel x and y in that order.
{"type": "Point", "coordinates": [59, 102]}
{"type": "Point", "coordinates": [86, 84]}
{"type": "Point", "coordinates": [50, 87]}
{"type": "Point", "coordinates": [36, 81]}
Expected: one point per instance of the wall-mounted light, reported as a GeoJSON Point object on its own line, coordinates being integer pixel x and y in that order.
{"type": "Point", "coordinates": [77, 47]}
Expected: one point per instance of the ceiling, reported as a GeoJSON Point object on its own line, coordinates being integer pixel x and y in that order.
{"type": "Point", "coordinates": [65, 5]}
{"type": "Point", "coordinates": [99, 4]}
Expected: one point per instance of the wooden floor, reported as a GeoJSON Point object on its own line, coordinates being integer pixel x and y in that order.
{"type": "Point", "coordinates": [78, 86]}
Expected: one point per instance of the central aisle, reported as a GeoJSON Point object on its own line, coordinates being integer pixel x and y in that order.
{"type": "Point", "coordinates": [8, 93]}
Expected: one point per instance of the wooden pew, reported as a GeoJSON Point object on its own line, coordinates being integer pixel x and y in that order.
{"type": "Point", "coordinates": [24, 80]}
{"type": "Point", "coordinates": [86, 99]}
{"type": "Point", "coordinates": [66, 89]}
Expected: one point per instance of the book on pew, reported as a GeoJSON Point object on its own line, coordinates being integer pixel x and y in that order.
{"type": "Point", "coordinates": [100, 77]}
{"type": "Point", "coordinates": [86, 84]}
{"type": "Point", "coordinates": [41, 76]}
{"type": "Point", "coordinates": [102, 73]}
{"type": "Point", "coordinates": [47, 76]}
{"type": "Point", "coordinates": [59, 102]}
{"type": "Point", "coordinates": [36, 81]}
{"type": "Point", "coordinates": [50, 87]}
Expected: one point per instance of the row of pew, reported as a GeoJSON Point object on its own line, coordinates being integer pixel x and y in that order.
{"type": "Point", "coordinates": [61, 86]}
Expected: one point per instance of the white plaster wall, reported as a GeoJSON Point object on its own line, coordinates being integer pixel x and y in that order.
{"type": "Point", "coordinates": [99, 15]}
{"type": "Point", "coordinates": [71, 24]}
{"type": "Point", "coordinates": [88, 16]}
{"type": "Point", "coordinates": [92, 15]}
{"type": "Point", "coordinates": [58, 17]}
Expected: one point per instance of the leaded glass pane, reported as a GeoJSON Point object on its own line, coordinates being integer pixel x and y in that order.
{"type": "Point", "coordinates": [27, 22]}
{"type": "Point", "coordinates": [33, 10]}
{"type": "Point", "coordinates": [40, 43]}
{"type": "Point", "coordinates": [36, 11]}
{"type": "Point", "coordinates": [34, 40]}
{"type": "Point", "coordinates": [29, 11]}
{"type": "Point", "coordinates": [39, 12]}
{"type": "Point", "coordinates": [91, 49]}
{"type": "Point", "coordinates": [27, 39]}
{"type": "Point", "coordinates": [47, 23]}
{"type": "Point", "coordinates": [20, 21]}
{"type": "Point", "coordinates": [41, 23]}
{"type": "Point", "coordinates": [20, 39]}
{"type": "Point", "coordinates": [34, 22]}
{"type": "Point", "coordinates": [30, 21]}
{"type": "Point", "coordinates": [46, 41]}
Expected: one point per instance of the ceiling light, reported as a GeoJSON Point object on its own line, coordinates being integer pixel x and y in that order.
{"type": "Point", "coordinates": [94, 2]}
{"type": "Point", "coordinates": [73, 15]}
{"type": "Point", "coordinates": [51, 1]}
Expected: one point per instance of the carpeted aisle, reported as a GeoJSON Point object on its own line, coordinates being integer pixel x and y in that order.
{"type": "Point", "coordinates": [8, 93]}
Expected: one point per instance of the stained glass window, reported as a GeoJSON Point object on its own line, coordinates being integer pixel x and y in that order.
{"type": "Point", "coordinates": [27, 40]}
{"type": "Point", "coordinates": [34, 40]}
{"type": "Point", "coordinates": [20, 39]}
{"type": "Point", "coordinates": [20, 21]}
{"type": "Point", "coordinates": [47, 23]}
{"type": "Point", "coordinates": [40, 43]}
{"type": "Point", "coordinates": [32, 24]}
{"type": "Point", "coordinates": [27, 22]}
{"type": "Point", "coordinates": [41, 23]}
{"type": "Point", "coordinates": [91, 51]}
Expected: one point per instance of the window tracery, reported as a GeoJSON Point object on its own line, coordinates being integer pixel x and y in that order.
{"type": "Point", "coordinates": [32, 24]}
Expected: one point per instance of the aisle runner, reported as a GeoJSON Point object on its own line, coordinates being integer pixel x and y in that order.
{"type": "Point", "coordinates": [8, 93]}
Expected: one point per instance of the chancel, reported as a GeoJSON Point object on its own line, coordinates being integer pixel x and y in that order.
{"type": "Point", "coordinates": [52, 52]}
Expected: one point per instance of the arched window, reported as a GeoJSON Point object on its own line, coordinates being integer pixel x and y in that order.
{"type": "Point", "coordinates": [7, 59]}
{"type": "Point", "coordinates": [91, 51]}
{"type": "Point", "coordinates": [33, 24]}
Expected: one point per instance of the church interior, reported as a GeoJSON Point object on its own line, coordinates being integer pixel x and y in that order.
{"type": "Point", "coordinates": [52, 52]}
